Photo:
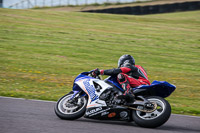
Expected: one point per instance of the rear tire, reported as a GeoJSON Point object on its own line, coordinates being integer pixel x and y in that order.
{"type": "Point", "coordinates": [156, 118]}
{"type": "Point", "coordinates": [67, 111]}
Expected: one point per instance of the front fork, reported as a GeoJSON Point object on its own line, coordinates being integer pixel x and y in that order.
{"type": "Point", "coordinates": [76, 96]}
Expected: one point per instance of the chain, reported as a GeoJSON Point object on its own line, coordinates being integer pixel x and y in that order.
{"type": "Point", "coordinates": [143, 110]}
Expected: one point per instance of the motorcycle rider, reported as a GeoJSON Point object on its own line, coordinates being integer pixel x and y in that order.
{"type": "Point", "coordinates": [128, 74]}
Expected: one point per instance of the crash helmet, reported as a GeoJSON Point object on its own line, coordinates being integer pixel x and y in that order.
{"type": "Point", "coordinates": [126, 59]}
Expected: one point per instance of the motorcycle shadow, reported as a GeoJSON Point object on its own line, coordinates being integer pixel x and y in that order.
{"type": "Point", "coordinates": [121, 123]}
{"type": "Point", "coordinates": [166, 127]}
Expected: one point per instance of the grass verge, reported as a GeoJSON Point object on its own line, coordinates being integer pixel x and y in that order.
{"type": "Point", "coordinates": [41, 51]}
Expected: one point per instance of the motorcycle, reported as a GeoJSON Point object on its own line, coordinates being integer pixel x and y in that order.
{"type": "Point", "coordinates": [95, 98]}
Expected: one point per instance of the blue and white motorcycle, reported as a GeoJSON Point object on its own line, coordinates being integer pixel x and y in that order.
{"type": "Point", "coordinates": [97, 99]}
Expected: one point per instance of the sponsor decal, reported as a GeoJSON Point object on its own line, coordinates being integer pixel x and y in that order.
{"type": "Point", "coordinates": [104, 113]}
{"type": "Point", "coordinates": [113, 114]}
{"type": "Point", "coordinates": [123, 114]}
{"type": "Point", "coordinates": [96, 111]}
{"type": "Point", "coordinates": [91, 90]}
{"type": "Point", "coordinates": [93, 111]}
{"type": "Point", "coordinates": [126, 61]}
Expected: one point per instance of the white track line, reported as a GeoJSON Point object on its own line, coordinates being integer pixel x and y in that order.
{"type": "Point", "coordinates": [28, 99]}
{"type": "Point", "coordinates": [187, 116]}
{"type": "Point", "coordinates": [55, 102]}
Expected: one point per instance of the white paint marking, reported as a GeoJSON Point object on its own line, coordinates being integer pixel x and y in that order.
{"type": "Point", "coordinates": [28, 99]}
{"type": "Point", "coordinates": [187, 116]}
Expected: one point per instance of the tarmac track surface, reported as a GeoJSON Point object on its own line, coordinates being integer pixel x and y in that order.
{"type": "Point", "coordinates": [34, 116]}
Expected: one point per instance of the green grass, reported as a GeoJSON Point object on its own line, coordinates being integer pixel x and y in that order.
{"type": "Point", "coordinates": [41, 52]}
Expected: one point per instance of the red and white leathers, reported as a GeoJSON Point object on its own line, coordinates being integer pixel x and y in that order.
{"type": "Point", "coordinates": [128, 76]}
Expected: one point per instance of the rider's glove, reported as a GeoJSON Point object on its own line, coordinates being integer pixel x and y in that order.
{"type": "Point", "coordinates": [96, 72]}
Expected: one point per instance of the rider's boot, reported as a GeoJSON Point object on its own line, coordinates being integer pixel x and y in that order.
{"type": "Point", "coordinates": [128, 96]}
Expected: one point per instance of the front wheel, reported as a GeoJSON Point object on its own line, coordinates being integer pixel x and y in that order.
{"type": "Point", "coordinates": [155, 118]}
{"type": "Point", "coordinates": [70, 111]}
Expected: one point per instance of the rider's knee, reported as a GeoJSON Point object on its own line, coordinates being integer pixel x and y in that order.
{"type": "Point", "coordinates": [121, 77]}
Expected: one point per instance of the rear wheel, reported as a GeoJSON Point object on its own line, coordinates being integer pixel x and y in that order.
{"type": "Point", "coordinates": [70, 111]}
{"type": "Point", "coordinates": [155, 118]}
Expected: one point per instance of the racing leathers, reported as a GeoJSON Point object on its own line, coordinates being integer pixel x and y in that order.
{"type": "Point", "coordinates": [128, 76]}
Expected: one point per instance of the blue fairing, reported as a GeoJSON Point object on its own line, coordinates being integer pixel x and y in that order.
{"type": "Point", "coordinates": [113, 80]}
{"type": "Point", "coordinates": [160, 88]}
{"type": "Point", "coordinates": [81, 76]}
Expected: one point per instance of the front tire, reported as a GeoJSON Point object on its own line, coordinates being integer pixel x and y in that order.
{"type": "Point", "coordinates": [67, 111]}
{"type": "Point", "coordinates": [155, 118]}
